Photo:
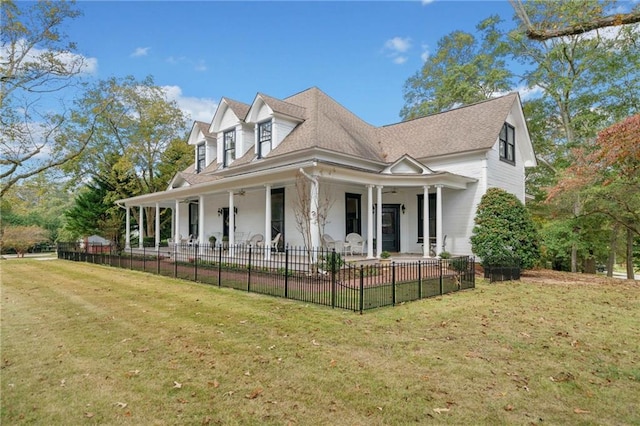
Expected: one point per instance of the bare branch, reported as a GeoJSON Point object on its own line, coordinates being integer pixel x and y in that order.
{"type": "Point", "coordinates": [583, 27]}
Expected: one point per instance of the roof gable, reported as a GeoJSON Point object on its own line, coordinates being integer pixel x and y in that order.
{"type": "Point", "coordinates": [238, 111]}
{"type": "Point", "coordinates": [200, 132]}
{"type": "Point", "coordinates": [407, 166]}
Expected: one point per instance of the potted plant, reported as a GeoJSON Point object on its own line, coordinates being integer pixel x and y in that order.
{"type": "Point", "coordinates": [385, 257]}
{"type": "Point", "coordinates": [212, 241]}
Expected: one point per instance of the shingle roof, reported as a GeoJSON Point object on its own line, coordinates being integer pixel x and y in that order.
{"type": "Point", "coordinates": [464, 129]}
{"type": "Point", "coordinates": [240, 109]}
{"type": "Point", "coordinates": [282, 107]}
{"type": "Point", "coordinates": [204, 128]}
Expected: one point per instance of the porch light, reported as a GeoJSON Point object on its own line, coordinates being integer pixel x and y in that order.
{"type": "Point", "coordinates": [220, 211]}
{"type": "Point", "coordinates": [402, 208]}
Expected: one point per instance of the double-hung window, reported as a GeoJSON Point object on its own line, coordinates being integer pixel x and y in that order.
{"type": "Point", "coordinates": [201, 153]}
{"type": "Point", "coordinates": [264, 138]}
{"type": "Point", "coordinates": [508, 143]}
{"type": "Point", "coordinates": [229, 147]}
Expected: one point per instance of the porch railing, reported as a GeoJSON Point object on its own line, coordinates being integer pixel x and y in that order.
{"type": "Point", "coordinates": [317, 276]}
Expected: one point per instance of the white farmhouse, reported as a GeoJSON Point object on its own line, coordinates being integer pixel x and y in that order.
{"type": "Point", "coordinates": [399, 185]}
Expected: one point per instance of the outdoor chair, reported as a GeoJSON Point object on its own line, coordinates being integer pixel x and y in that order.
{"type": "Point", "coordinates": [275, 241]}
{"type": "Point", "coordinates": [328, 242]}
{"type": "Point", "coordinates": [256, 240]}
{"type": "Point", "coordinates": [354, 243]}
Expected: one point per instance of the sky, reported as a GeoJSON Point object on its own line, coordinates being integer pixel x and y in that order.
{"type": "Point", "coordinates": [358, 52]}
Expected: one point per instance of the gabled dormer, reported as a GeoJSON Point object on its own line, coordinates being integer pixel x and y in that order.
{"type": "Point", "coordinates": [204, 143]}
{"type": "Point", "coordinates": [407, 165]}
{"type": "Point", "coordinates": [273, 120]}
{"type": "Point", "coordinates": [234, 136]}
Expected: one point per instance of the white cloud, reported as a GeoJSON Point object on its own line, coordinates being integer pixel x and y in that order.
{"type": "Point", "coordinates": [140, 51]}
{"type": "Point", "coordinates": [197, 65]}
{"type": "Point", "coordinates": [201, 109]}
{"type": "Point", "coordinates": [526, 93]}
{"type": "Point", "coordinates": [425, 53]}
{"type": "Point", "coordinates": [398, 44]}
{"type": "Point", "coordinates": [72, 61]}
{"type": "Point", "coordinates": [425, 2]}
{"type": "Point", "coordinates": [395, 47]}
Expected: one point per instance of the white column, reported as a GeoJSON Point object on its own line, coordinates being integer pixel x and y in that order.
{"type": "Point", "coordinates": [141, 228]}
{"type": "Point", "coordinates": [369, 221]}
{"type": "Point", "coordinates": [157, 226]}
{"type": "Point", "coordinates": [177, 237]}
{"type": "Point", "coordinates": [267, 222]}
{"type": "Point", "coordinates": [438, 219]}
{"type": "Point", "coordinates": [426, 238]}
{"type": "Point", "coordinates": [201, 240]}
{"type": "Point", "coordinates": [127, 237]}
{"type": "Point", "coordinates": [379, 221]}
{"type": "Point", "coordinates": [313, 215]}
{"type": "Point", "coordinates": [173, 222]}
{"type": "Point", "coordinates": [232, 221]}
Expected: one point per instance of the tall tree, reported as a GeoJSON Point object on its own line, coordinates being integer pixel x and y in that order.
{"type": "Point", "coordinates": [588, 82]}
{"type": "Point", "coordinates": [38, 67]}
{"type": "Point", "coordinates": [464, 70]}
{"type": "Point", "coordinates": [130, 138]}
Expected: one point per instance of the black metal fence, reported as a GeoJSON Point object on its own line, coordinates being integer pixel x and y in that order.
{"type": "Point", "coordinates": [314, 276]}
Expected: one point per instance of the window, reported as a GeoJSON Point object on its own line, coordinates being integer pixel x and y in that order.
{"type": "Point", "coordinates": [193, 219]}
{"type": "Point", "coordinates": [508, 143]}
{"type": "Point", "coordinates": [229, 147]}
{"type": "Point", "coordinates": [432, 217]}
{"type": "Point", "coordinates": [264, 138]}
{"type": "Point", "coordinates": [201, 152]}
{"type": "Point", "coordinates": [353, 218]}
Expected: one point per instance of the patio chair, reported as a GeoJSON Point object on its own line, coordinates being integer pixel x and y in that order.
{"type": "Point", "coordinates": [328, 242]}
{"type": "Point", "coordinates": [256, 240]}
{"type": "Point", "coordinates": [275, 241]}
{"type": "Point", "coordinates": [354, 243]}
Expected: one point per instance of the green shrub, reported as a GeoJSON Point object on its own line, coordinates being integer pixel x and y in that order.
{"type": "Point", "coordinates": [504, 233]}
{"type": "Point", "coordinates": [331, 262]}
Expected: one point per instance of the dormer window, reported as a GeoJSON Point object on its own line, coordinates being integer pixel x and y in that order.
{"type": "Point", "coordinates": [201, 157]}
{"type": "Point", "coordinates": [508, 143]}
{"type": "Point", "coordinates": [229, 147]}
{"type": "Point", "coordinates": [264, 138]}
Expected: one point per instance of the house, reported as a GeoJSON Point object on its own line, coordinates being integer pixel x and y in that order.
{"type": "Point", "coordinates": [274, 165]}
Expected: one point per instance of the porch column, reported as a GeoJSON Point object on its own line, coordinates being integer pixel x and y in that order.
{"type": "Point", "coordinates": [313, 215]}
{"type": "Point", "coordinates": [426, 237]}
{"type": "Point", "coordinates": [157, 226]}
{"type": "Point", "coordinates": [438, 220]}
{"type": "Point", "coordinates": [232, 221]}
{"type": "Point", "coordinates": [201, 240]}
{"type": "Point", "coordinates": [369, 221]}
{"type": "Point", "coordinates": [177, 237]}
{"type": "Point", "coordinates": [378, 221]}
{"type": "Point", "coordinates": [173, 222]}
{"type": "Point", "coordinates": [267, 222]}
{"type": "Point", "coordinates": [127, 237]}
{"type": "Point", "coordinates": [141, 228]}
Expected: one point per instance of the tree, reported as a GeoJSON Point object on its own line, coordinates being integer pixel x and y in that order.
{"type": "Point", "coordinates": [130, 139]}
{"type": "Point", "coordinates": [552, 28]}
{"type": "Point", "coordinates": [464, 70]}
{"type": "Point", "coordinates": [38, 67]}
{"type": "Point", "coordinates": [504, 231]}
{"type": "Point", "coordinates": [588, 80]}
{"type": "Point", "coordinates": [22, 238]}
{"type": "Point", "coordinates": [607, 174]}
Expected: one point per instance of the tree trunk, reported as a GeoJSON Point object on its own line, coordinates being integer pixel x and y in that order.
{"type": "Point", "coordinates": [630, 273]}
{"type": "Point", "coordinates": [612, 250]}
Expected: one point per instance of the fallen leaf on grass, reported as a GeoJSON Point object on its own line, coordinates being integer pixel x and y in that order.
{"type": "Point", "coordinates": [89, 415]}
{"type": "Point", "coordinates": [441, 410]}
{"type": "Point", "coordinates": [315, 343]}
{"type": "Point", "coordinates": [121, 404]}
{"type": "Point", "coordinates": [580, 411]}
{"type": "Point", "coordinates": [132, 373]}
{"type": "Point", "coordinates": [215, 383]}
{"type": "Point", "coordinates": [508, 408]}
{"type": "Point", "coordinates": [177, 385]}
{"type": "Point", "coordinates": [253, 395]}
{"type": "Point", "coordinates": [563, 376]}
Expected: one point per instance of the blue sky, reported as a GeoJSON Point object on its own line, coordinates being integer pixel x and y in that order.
{"type": "Point", "coordinates": [359, 53]}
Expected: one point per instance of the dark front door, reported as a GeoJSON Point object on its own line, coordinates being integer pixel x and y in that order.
{"type": "Point", "coordinates": [391, 227]}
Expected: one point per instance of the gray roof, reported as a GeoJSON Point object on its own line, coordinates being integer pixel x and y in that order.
{"type": "Point", "coordinates": [240, 109]}
{"type": "Point", "coordinates": [282, 107]}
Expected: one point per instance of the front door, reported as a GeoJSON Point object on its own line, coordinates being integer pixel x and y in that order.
{"type": "Point", "coordinates": [391, 227]}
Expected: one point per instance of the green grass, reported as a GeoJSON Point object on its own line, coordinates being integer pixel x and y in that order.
{"type": "Point", "coordinates": [99, 345]}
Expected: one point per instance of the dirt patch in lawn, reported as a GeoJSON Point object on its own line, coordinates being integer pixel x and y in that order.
{"type": "Point", "coordinates": [547, 276]}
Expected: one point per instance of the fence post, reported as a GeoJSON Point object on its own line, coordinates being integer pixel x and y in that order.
{"type": "Point", "coordinates": [195, 262]}
{"type": "Point", "coordinates": [130, 258]}
{"type": "Point", "coordinates": [219, 266]}
{"type": "Point", "coordinates": [175, 260]}
{"type": "Point", "coordinates": [286, 272]}
{"type": "Point", "coordinates": [441, 283]}
{"type": "Point", "coordinates": [333, 277]}
{"type": "Point", "coordinates": [419, 279]}
{"type": "Point", "coordinates": [361, 288]}
{"type": "Point", "coordinates": [249, 271]}
{"type": "Point", "coordinates": [158, 259]}
{"type": "Point", "coordinates": [393, 283]}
